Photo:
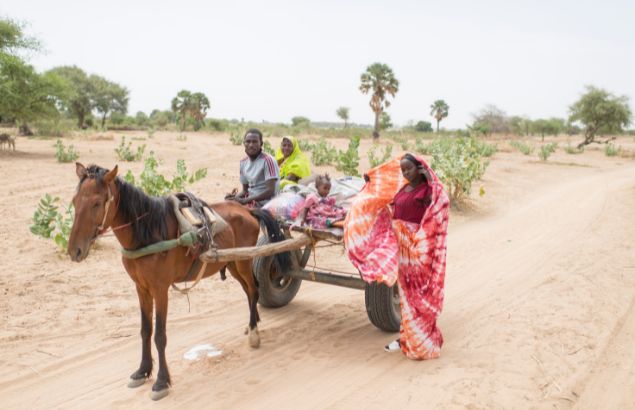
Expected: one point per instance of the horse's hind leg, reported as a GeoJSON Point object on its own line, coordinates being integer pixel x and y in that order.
{"type": "Point", "coordinates": [145, 368]}
{"type": "Point", "coordinates": [160, 387]}
{"type": "Point", "coordinates": [243, 273]}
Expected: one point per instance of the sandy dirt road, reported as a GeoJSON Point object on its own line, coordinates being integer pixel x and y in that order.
{"type": "Point", "coordinates": [539, 309]}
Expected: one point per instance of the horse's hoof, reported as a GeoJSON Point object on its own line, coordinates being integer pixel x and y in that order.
{"type": "Point", "coordinates": [136, 382]}
{"type": "Point", "coordinates": [254, 338]}
{"type": "Point", "coordinates": [159, 394]}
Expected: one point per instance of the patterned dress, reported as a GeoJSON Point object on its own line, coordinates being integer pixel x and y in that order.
{"type": "Point", "coordinates": [395, 251]}
{"type": "Point", "coordinates": [322, 209]}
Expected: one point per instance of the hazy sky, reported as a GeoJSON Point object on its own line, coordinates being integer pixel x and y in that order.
{"type": "Point", "coordinates": [274, 60]}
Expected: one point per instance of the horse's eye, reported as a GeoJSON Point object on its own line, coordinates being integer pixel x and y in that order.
{"type": "Point", "coordinates": [96, 205]}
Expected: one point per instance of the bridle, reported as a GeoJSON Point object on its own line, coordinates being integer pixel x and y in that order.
{"type": "Point", "coordinates": [101, 229]}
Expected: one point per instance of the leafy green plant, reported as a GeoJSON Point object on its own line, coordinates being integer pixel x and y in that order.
{"type": "Point", "coordinates": [235, 137]}
{"type": "Point", "coordinates": [64, 154]}
{"type": "Point", "coordinates": [49, 223]}
{"type": "Point", "coordinates": [348, 161]}
{"type": "Point", "coordinates": [547, 150]}
{"type": "Point", "coordinates": [125, 153]}
{"type": "Point", "coordinates": [458, 162]}
{"type": "Point", "coordinates": [155, 184]}
{"type": "Point", "coordinates": [526, 149]}
{"type": "Point", "coordinates": [610, 150]}
{"type": "Point", "coordinates": [266, 147]}
{"type": "Point", "coordinates": [570, 149]}
{"type": "Point", "coordinates": [323, 153]}
{"type": "Point", "coordinates": [375, 159]}
{"type": "Point", "coordinates": [421, 147]}
{"type": "Point", "coordinates": [305, 145]}
{"type": "Point", "coordinates": [485, 149]}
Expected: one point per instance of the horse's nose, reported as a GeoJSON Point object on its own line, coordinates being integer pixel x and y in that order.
{"type": "Point", "coordinates": [75, 254]}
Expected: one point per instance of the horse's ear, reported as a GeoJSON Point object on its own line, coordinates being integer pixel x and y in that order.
{"type": "Point", "coordinates": [110, 176]}
{"type": "Point", "coordinates": [80, 170]}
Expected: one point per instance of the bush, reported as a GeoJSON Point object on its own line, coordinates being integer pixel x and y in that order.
{"type": "Point", "coordinates": [485, 149]}
{"type": "Point", "coordinates": [64, 154]}
{"type": "Point", "coordinates": [124, 153]}
{"type": "Point", "coordinates": [49, 223]}
{"type": "Point", "coordinates": [458, 163]}
{"type": "Point", "coordinates": [54, 128]}
{"type": "Point", "coordinates": [305, 145]}
{"type": "Point", "coordinates": [348, 161]}
{"type": "Point", "coordinates": [570, 149]}
{"type": "Point", "coordinates": [377, 160]}
{"type": "Point", "coordinates": [421, 147]}
{"type": "Point", "coordinates": [323, 153]}
{"type": "Point", "coordinates": [547, 150]}
{"type": "Point", "coordinates": [155, 184]}
{"type": "Point", "coordinates": [266, 147]}
{"type": "Point", "coordinates": [423, 126]}
{"type": "Point", "coordinates": [235, 137]}
{"type": "Point", "coordinates": [610, 150]}
{"type": "Point", "coordinates": [526, 149]}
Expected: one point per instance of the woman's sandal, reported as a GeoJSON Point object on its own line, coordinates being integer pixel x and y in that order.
{"type": "Point", "coordinates": [393, 346]}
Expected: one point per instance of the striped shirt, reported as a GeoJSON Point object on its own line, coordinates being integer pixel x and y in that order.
{"type": "Point", "coordinates": [256, 173]}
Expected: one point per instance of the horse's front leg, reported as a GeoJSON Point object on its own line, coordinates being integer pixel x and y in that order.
{"type": "Point", "coordinates": [162, 384]}
{"type": "Point", "coordinates": [145, 368]}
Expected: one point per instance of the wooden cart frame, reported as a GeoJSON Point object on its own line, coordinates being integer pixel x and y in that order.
{"type": "Point", "coordinates": [277, 290]}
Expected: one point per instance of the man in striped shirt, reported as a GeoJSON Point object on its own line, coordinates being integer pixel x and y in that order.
{"type": "Point", "coordinates": [259, 173]}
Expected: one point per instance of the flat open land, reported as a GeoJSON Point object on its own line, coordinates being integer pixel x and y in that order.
{"type": "Point", "coordinates": [539, 309]}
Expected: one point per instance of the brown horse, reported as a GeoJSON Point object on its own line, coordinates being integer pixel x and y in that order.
{"type": "Point", "coordinates": [105, 201]}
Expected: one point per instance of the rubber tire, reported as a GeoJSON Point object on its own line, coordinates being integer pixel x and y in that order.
{"type": "Point", "coordinates": [270, 295]}
{"type": "Point", "coordinates": [381, 306]}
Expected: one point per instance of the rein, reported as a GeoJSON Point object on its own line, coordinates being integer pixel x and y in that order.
{"type": "Point", "coordinates": [100, 229]}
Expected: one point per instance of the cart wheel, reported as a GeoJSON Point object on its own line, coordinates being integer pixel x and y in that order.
{"type": "Point", "coordinates": [382, 306]}
{"type": "Point", "coordinates": [274, 290]}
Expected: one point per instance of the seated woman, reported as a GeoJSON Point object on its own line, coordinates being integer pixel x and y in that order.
{"type": "Point", "coordinates": [294, 165]}
{"type": "Point", "coordinates": [320, 211]}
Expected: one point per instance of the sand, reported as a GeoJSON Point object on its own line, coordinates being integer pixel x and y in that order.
{"type": "Point", "coordinates": [539, 309]}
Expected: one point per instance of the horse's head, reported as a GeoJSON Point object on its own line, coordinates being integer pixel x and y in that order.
{"type": "Point", "coordinates": [94, 208]}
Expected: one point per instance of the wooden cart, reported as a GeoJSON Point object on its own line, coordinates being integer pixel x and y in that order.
{"type": "Point", "coordinates": [277, 290]}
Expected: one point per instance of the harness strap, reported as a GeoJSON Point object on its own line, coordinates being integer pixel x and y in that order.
{"type": "Point", "coordinates": [186, 290]}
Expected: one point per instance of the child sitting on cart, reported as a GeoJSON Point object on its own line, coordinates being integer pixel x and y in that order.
{"type": "Point", "coordinates": [320, 210]}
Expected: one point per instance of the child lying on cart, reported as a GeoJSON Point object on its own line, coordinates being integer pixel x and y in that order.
{"type": "Point", "coordinates": [320, 210]}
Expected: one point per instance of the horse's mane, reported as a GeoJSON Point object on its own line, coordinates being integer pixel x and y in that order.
{"type": "Point", "coordinates": [147, 215]}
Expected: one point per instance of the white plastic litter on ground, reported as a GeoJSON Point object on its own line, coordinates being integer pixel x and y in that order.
{"type": "Point", "coordinates": [204, 350]}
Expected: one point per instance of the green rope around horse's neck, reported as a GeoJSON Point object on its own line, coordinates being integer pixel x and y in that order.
{"type": "Point", "coordinates": [187, 239]}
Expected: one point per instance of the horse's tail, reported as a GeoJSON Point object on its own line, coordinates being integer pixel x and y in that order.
{"type": "Point", "coordinates": [275, 234]}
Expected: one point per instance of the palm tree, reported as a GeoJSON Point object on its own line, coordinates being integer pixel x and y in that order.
{"type": "Point", "coordinates": [439, 111]}
{"type": "Point", "coordinates": [342, 112]}
{"type": "Point", "coordinates": [198, 106]}
{"type": "Point", "coordinates": [181, 106]}
{"type": "Point", "coordinates": [379, 79]}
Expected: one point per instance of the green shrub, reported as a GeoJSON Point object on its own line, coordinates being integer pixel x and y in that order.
{"type": "Point", "coordinates": [570, 149]}
{"type": "Point", "coordinates": [610, 150]}
{"type": "Point", "coordinates": [421, 147]}
{"type": "Point", "coordinates": [155, 184]}
{"type": "Point", "coordinates": [236, 137]}
{"type": "Point", "coordinates": [266, 147]}
{"type": "Point", "coordinates": [64, 154]}
{"type": "Point", "coordinates": [125, 153]}
{"type": "Point", "coordinates": [49, 223]}
{"type": "Point", "coordinates": [305, 145]}
{"type": "Point", "coordinates": [348, 161]}
{"type": "Point", "coordinates": [458, 163]}
{"type": "Point", "coordinates": [526, 149]}
{"type": "Point", "coordinates": [376, 160]}
{"type": "Point", "coordinates": [323, 153]}
{"type": "Point", "coordinates": [547, 150]}
{"type": "Point", "coordinates": [485, 149]}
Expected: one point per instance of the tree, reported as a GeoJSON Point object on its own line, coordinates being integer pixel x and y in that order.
{"type": "Point", "coordinates": [439, 110]}
{"type": "Point", "coordinates": [199, 104]}
{"type": "Point", "coordinates": [491, 119]}
{"type": "Point", "coordinates": [78, 100]}
{"type": "Point", "coordinates": [600, 112]}
{"type": "Point", "coordinates": [384, 121]}
{"type": "Point", "coordinates": [342, 112]}
{"type": "Point", "coordinates": [423, 126]}
{"type": "Point", "coordinates": [13, 39]}
{"type": "Point", "coordinates": [107, 97]}
{"type": "Point", "coordinates": [180, 106]}
{"type": "Point", "coordinates": [299, 121]}
{"type": "Point", "coordinates": [187, 104]}
{"type": "Point", "coordinates": [27, 95]}
{"type": "Point", "coordinates": [551, 126]}
{"type": "Point", "coordinates": [381, 82]}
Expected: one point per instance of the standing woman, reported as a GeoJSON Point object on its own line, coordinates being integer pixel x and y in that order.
{"type": "Point", "coordinates": [404, 242]}
{"type": "Point", "coordinates": [294, 165]}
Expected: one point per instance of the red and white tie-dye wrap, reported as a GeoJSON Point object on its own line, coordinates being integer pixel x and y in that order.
{"type": "Point", "coordinates": [388, 250]}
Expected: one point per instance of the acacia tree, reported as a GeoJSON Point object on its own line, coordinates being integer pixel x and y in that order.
{"type": "Point", "coordinates": [342, 112]}
{"type": "Point", "coordinates": [600, 112]}
{"type": "Point", "coordinates": [380, 80]}
{"type": "Point", "coordinates": [439, 110]}
{"type": "Point", "coordinates": [78, 100]}
{"type": "Point", "coordinates": [107, 97]}
{"type": "Point", "coordinates": [13, 39]}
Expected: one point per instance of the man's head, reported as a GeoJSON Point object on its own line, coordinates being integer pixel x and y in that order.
{"type": "Point", "coordinates": [253, 142]}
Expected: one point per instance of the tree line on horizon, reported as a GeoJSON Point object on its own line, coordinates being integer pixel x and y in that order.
{"type": "Point", "coordinates": [69, 92]}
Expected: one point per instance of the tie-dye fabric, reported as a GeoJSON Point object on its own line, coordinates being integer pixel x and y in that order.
{"type": "Point", "coordinates": [413, 255]}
